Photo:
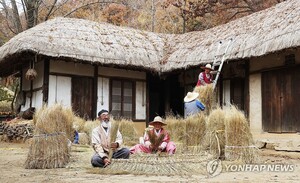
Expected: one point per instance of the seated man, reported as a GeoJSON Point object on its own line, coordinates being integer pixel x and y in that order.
{"type": "Point", "coordinates": [155, 140]}
{"type": "Point", "coordinates": [101, 142]}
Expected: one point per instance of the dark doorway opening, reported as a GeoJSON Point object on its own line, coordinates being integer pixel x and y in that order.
{"type": "Point", "coordinates": [82, 97]}
{"type": "Point", "coordinates": [165, 96]}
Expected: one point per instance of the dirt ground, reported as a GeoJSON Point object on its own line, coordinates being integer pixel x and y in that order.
{"type": "Point", "coordinates": [13, 156]}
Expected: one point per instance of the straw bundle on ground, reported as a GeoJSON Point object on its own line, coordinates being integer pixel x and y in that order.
{"type": "Point", "coordinates": [130, 136]}
{"type": "Point", "coordinates": [206, 96]}
{"type": "Point", "coordinates": [215, 132]}
{"type": "Point", "coordinates": [239, 141]}
{"type": "Point", "coordinates": [49, 147]}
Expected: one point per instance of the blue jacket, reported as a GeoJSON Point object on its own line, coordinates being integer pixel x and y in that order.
{"type": "Point", "coordinates": [193, 107]}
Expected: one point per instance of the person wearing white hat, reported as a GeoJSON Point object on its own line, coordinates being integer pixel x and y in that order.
{"type": "Point", "coordinates": [156, 140]}
{"type": "Point", "coordinates": [192, 105]}
{"type": "Point", "coordinates": [205, 77]}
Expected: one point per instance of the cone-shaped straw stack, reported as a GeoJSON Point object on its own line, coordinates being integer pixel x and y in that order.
{"type": "Point", "coordinates": [49, 147]}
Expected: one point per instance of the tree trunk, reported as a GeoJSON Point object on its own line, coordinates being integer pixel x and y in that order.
{"type": "Point", "coordinates": [16, 17]}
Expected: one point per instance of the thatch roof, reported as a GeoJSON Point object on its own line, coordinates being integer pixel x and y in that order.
{"type": "Point", "coordinates": [270, 30]}
{"type": "Point", "coordinates": [261, 33]}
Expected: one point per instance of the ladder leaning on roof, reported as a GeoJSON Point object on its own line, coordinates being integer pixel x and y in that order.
{"type": "Point", "coordinates": [219, 63]}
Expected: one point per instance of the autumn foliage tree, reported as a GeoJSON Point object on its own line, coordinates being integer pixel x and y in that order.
{"type": "Point", "coordinates": [203, 14]}
{"type": "Point", "coordinates": [116, 14]}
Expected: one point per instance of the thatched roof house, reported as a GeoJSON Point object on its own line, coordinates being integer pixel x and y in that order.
{"type": "Point", "coordinates": [274, 29]}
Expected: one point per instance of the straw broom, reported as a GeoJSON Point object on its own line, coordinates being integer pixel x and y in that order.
{"type": "Point", "coordinates": [239, 141]}
{"type": "Point", "coordinates": [49, 147]}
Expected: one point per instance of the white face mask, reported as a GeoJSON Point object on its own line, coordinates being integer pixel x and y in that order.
{"type": "Point", "coordinates": [106, 124]}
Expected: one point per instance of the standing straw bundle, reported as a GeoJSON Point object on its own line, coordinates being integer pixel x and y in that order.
{"type": "Point", "coordinates": [215, 132]}
{"type": "Point", "coordinates": [89, 126]}
{"type": "Point", "coordinates": [206, 96]}
{"type": "Point", "coordinates": [239, 141]}
{"type": "Point", "coordinates": [176, 128]}
{"type": "Point", "coordinates": [195, 129]}
{"type": "Point", "coordinates": [128, 132]}
{"type": "Point", "coordinates": [49, 147]}
{"type": "Point", "coordinates": [113, 136]}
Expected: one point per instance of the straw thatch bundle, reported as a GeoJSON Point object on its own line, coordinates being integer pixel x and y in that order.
{"type": "Point", "coordinates": [84, 139]}
{"type": "Point", "coordinates": [113, 135]}
{"type": "Point", "coordinates": [130, 136]}
{"type": "Point", "coordinates": [239, 141]}
{"type": "Point", "coordinates": [206, 96]}
{"type": "Point", "coordinates": [176, 128]}
{"type": "Point", "coordinates": [195, 129]}
{"type": "Point", "coordinates": [49, 147]}
{"type": "Point", "coordinates": [78, 124]}
{"type": "Point", "coordinates": [31, 74]}
{"type": "Point", "coordinates": [215, 132]}
{"type": "Point", "coordinates": [89, 126]}
{"type": "Point", "coordinates": [188, 134]}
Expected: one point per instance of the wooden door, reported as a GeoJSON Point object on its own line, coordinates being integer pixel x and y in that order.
{"type": "Point", "coordinates": [82, 96]}
{"type": "Point", "coordinates": [281, 100]}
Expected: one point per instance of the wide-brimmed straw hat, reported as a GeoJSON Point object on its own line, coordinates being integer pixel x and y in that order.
{"type": "Point", "coordinates": [157, 119]}
{"type": "Point", "coordinates": [207, 66]}
{"type": "Point", "coordinates": [191, 96]}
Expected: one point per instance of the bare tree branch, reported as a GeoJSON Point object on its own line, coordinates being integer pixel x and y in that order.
{"type": "Point", "coordinates": [88, 4]}
{"type": "Point", "coordinates": [50, 11]}
{"type": "Point", "coordinates": [239, 12]}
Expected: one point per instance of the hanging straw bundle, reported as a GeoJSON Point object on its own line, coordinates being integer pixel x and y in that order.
{"type": "Point", "coordinates": [239, 141]}
{"type": "Point", "coordinates": [215, 132]}
{"type": "Point", "coordinates": [31, 74]}
{"type": "Point", "coordinates": [49, 147]}
{"type": "Point", "coordinates": [206, 96]}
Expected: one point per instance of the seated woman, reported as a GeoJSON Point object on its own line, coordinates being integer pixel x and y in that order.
{"type": "Point", "coordinates": [156, 140]}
